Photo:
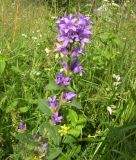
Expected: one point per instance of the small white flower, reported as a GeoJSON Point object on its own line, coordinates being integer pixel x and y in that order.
{"type": "Point", "coordinates": [38, 73]}
{"type": "Point", "coordinates": [47, 50]}
{"type": "Point", "coordinates": [56, 56]}
{"type": "Point", "coordinates": [117, 77]}
{"type": "Point", "coordinates": [109, 109]}
{"type": "Point", "coordinates": [53, 17]}
{"type": "Point", "coordinates": [61, 70]}
{"type": "Point", "coordinates": [34, 38]}
{"type": "Point", "coordinates": [116, 83]}
{"type": "Point", "coordinates": [0, 51]}
{"type": "Point", "coordinates": [24, 35]}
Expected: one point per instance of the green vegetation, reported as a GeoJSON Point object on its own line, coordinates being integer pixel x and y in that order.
{"type": "Point", "coordinates": [106, 91]}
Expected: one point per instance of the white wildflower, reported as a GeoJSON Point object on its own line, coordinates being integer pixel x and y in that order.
{"type": "Point", "coordinates": [34, 38]}
{"type": "Point", "coordinates": [53, 17]}
{"type": "Point", "coordinates": [109, 109]}
{"type": "Point", "coordinates": [47, 50]}
{"type": "Point", "coordinates": [24, 35]}
{"type": "Point", "coordinates": [56, 56]}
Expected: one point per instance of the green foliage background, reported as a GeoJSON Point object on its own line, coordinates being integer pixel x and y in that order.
{"type": "Point", "coordinates": [26, 70]}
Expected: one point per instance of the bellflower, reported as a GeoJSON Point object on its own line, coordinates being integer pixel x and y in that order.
{"type": "Point", "coordinates": [65, 65]}
{"type": "Point", "coordinates": [69, 96]}
{"type": "Point", "coordinates": [45, 145]}
{"type": "Point", "coordinates": [62, 80]}
{"type": "Point", "coordinates": [22, 126]}
{"type": "Point", "coordinates": [56, 118]}
{"type": "Point", "coordinates": [73, 29]}
{"type": "Point", "coordinates": [53, 102]}
{"type": "Point", "coordinates": [76, 51]}
{"type": "Point", "coordinates": [36, 136]}
{"type": "Point", "coordinates": [75, 67]}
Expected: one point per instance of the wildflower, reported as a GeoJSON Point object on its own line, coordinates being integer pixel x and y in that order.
{"type": "Point", "coordinates": [109, 109]}
{"type": "Point", "coordinates": [24, 35]}
{"type": "Point", "coordinates": [69, 96]}
{"type": "Point", "coordinates": [36, 136]}
{"type": "Point", "coordinates": [22, 126]}
{"type": "Point", "coordinates": [75, 67]}
{"type": "Point", "coordinates": [47, 50]}
{"type": "Point", "coordinates": [117, 77]}
{"type": "Point", "coordinates": [64, 130]}
{"type": "Point", "coordinates": [61, 80]}
{"type": "Point", "coordinates": [76, 51]}
{"type": "Point", "coordinates": [56, 118]}
{"type": "Point", "coordinates": [53, 17]}
{"type": "Point", "coordinates": [61, 48]}
{"type": "Point", "coordinates": [34, 38]}
{"type": "Point", "coordinates": [73, 29]}
{"type": "Point", "coordinates": [65, 65]}
{"type": "Point", "coordinates": [44, 145]}
{"type": "Point", "coordinates": [53, 102]}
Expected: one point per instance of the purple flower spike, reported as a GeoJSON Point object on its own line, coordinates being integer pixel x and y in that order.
{"type": "Point", "coordinates": [53, 102]}
{"type": "Point", "coordinates": [56, 118]}
{"type": "Point", "coordinates": [77, 52]}
{"type": "Point", "coordinates": [45, 145]}
{"type": "Point", "coordinates": [75, 67]}
{"type": "Point", "coordinates": [36, 136]}
{"type": "Point", "coordinates": [22, 126]}
{"type": "Point", "coordinates": [73, 29]}
{"type": "Point", "coordinates": [61, 80]}
{"type": "Point", "coordinates": [69, 96]}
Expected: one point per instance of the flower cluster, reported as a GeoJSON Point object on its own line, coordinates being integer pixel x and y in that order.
{"type": "Point", "coordinates": [74, 33]}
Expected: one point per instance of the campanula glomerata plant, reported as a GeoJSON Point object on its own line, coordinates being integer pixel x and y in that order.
{"type": "Point", "coordinates": [61, 124]}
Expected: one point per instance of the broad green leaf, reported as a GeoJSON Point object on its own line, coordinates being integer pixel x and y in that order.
{"type": "Point", "coordinates": [76, 104]}
{"type": "Point", "coordinates": [76, 130]}
{"type": "Point", "coordinates": [53, 153]}
{"type": "Point", "coordinates": [2, 65]}
{"type": "Point", "coordinates": [24, 109]}
{"type": "Point", "coordinates": [82, 119]}
{"type": "Point", "coordinates": [44, 106]}
{"type": "Point", "coordinates": [72, 116]}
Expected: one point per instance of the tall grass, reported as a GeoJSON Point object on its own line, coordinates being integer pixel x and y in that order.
{"type": "Point", "coordinates": [27, 29]}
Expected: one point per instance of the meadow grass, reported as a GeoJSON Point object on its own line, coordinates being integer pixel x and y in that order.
{"type": "Point", "coordinates": [107, 90]}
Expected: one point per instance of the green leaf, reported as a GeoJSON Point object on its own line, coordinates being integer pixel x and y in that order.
{"type": "Point", "coordinates": [53, 153]}
{"type": "Point", "coordinates": [44, 106]}
{"type": "Point", "coordinates": [24, 109]}
{"type": "Point", "coordinates": [76, 104]}
{"type": "Point", "coordinates": [52, 86]}
{"type": "Point", "coordinates": [76, 130]}
{"type": "Point", "coordinates": [2, 65]}
{"type": "Point", "coordinates": [72, 116]}
{"type": "Point", "coordinates": [82, 119]}
{"type": "Point", "coordinates": [69, 139]}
